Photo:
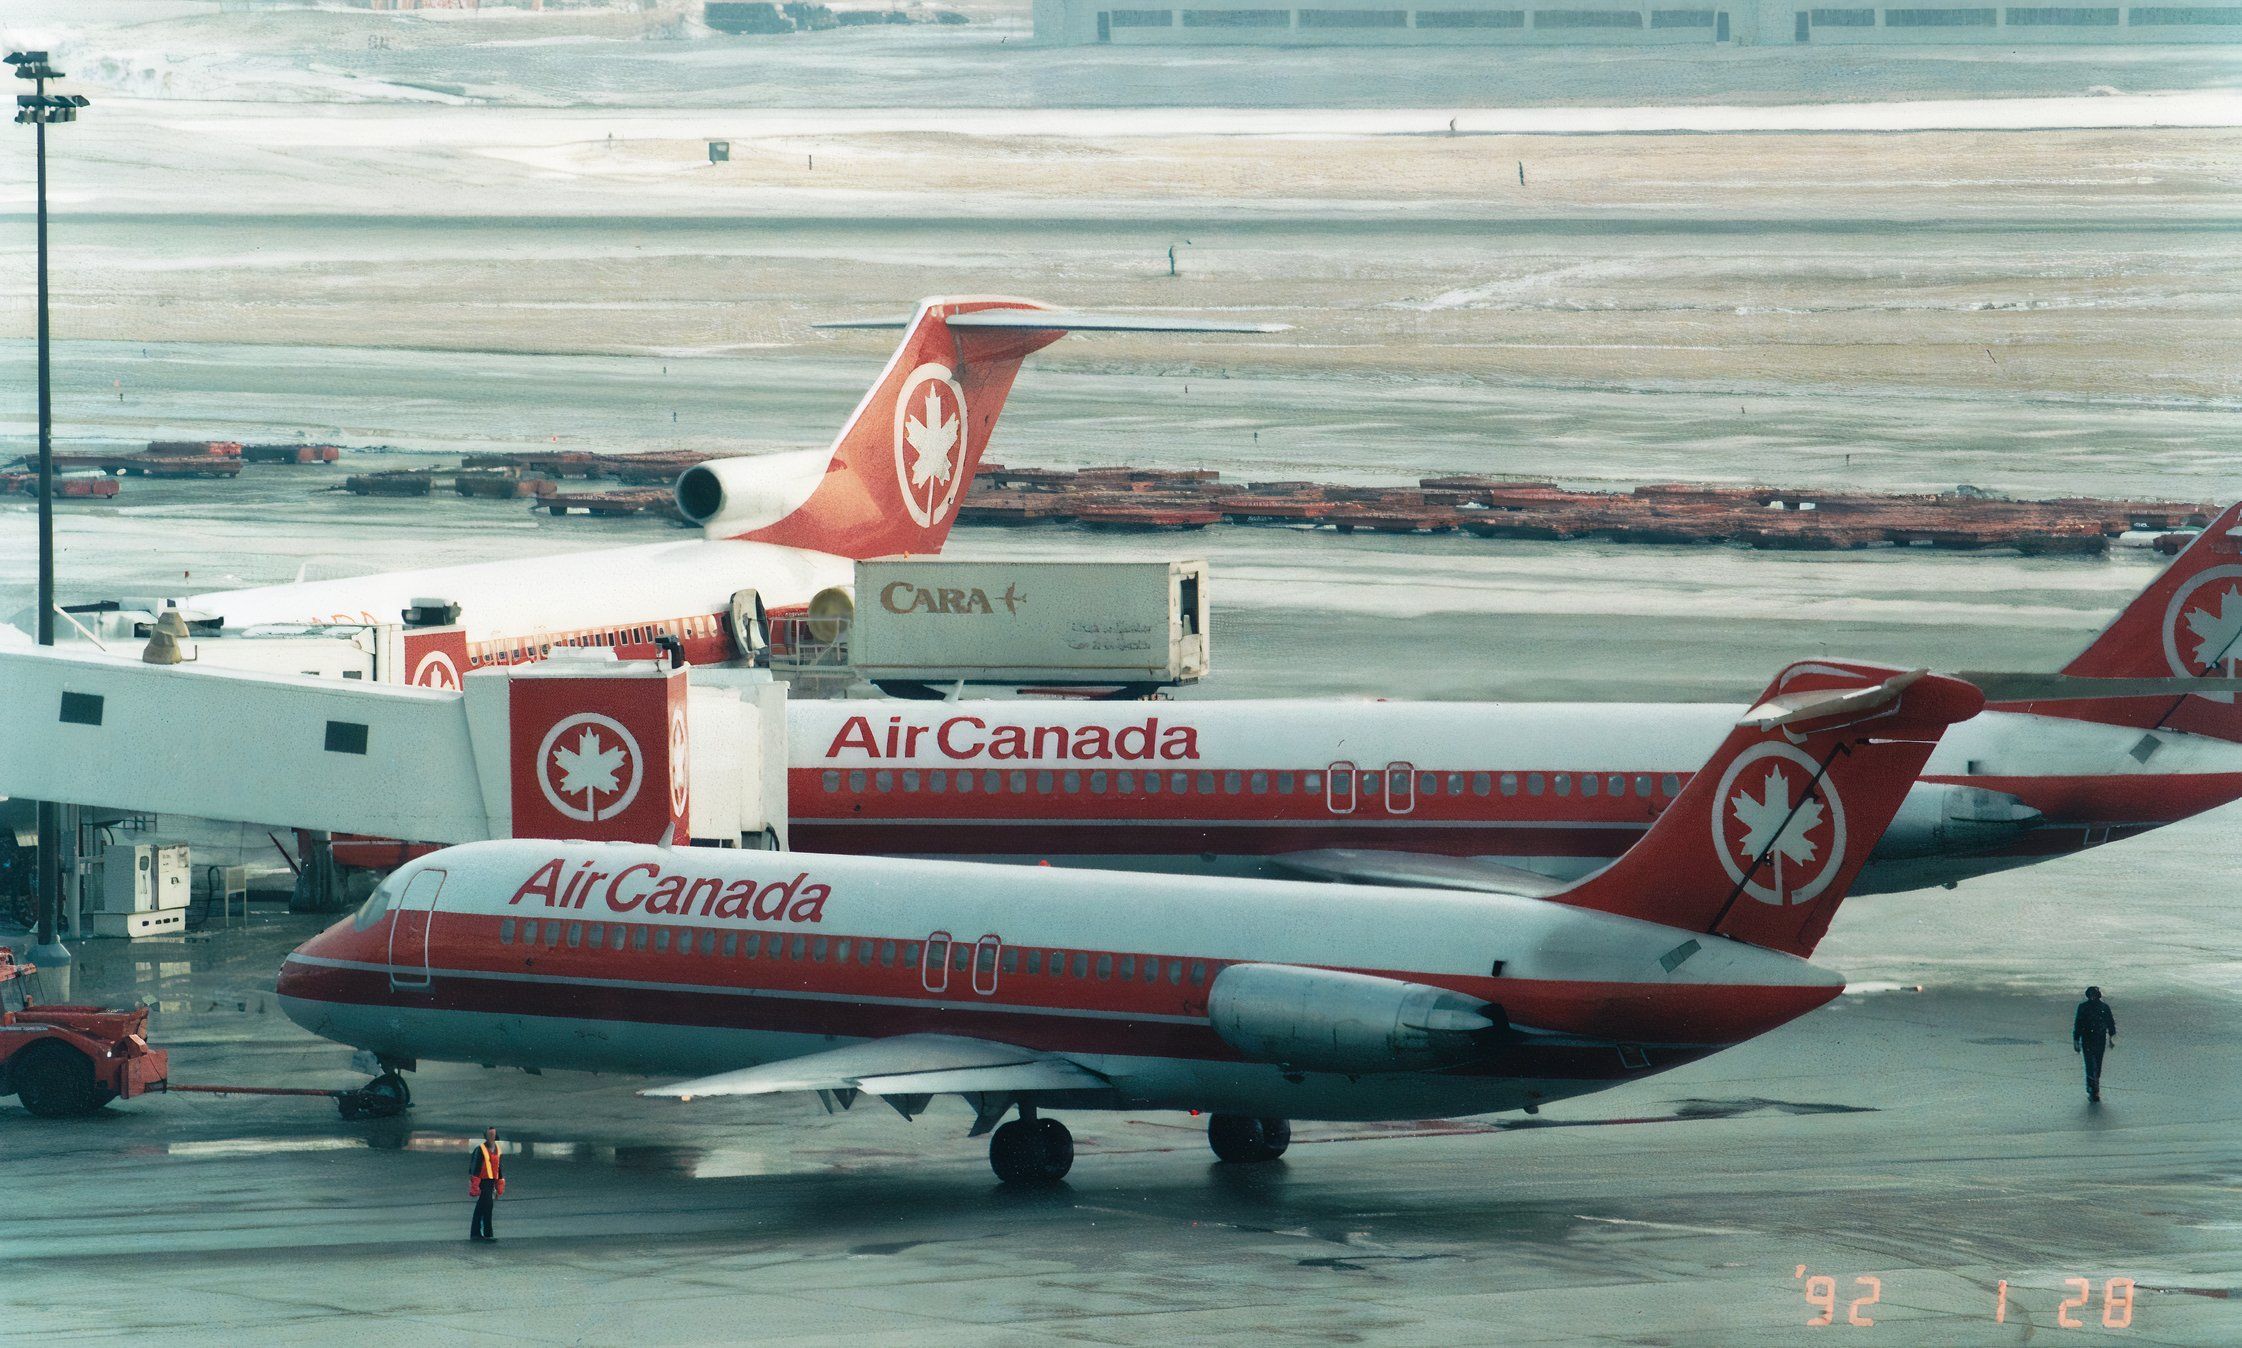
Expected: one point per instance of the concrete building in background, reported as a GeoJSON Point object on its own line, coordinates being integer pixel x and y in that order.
{"type": "Point", "coordinates": [1602, 22]}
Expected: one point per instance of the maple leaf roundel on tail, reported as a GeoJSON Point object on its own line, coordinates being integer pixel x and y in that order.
{"type": "Point", "coordinates": [1763, 806]}
{"type": "Point", "coordinates": [590, 767]}
{"type": "Point", "coordinates": [2203, 627]}
{"type": "Point", "coordinates": [930, 443]}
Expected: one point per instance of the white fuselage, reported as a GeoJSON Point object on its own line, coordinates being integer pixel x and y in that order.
{"type": "Point", "coordinates": [525, 597]}
{"type": "Point", "coordinates": [1235, 787]}
{"type": "Point", "coordinates": [491, 953]}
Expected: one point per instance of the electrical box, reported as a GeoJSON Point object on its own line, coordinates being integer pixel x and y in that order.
{"type": "Point", "coordinates": [145, 889]}
{"type": "Point", "coordinates": [937, 621]}
{"type": "Point", "coordinates": [144, 877]}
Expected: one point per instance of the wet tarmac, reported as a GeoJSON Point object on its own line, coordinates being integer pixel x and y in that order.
{"type": "Point", "coordinates": [1918, 1148]}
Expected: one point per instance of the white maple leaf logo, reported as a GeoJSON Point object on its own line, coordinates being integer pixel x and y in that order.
{"type": "Point", "coordinates": [931, 441]}
{"type": "Point", "coordinates": [2218, 636]}
{"type": "Point", "coordinates": [589, 769]}
{"type": "Point", "coordinates": [1764, 821]}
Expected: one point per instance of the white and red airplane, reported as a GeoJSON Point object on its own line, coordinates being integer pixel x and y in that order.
{"type": "Point", "coordinates": [1034, 989]}
{"type": "Point", "coordinates": [782, 526]}
{"type": "Point", "coordinates": [1467, 795]}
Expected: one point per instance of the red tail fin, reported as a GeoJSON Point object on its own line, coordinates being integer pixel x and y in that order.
{"type": "Point", "coordinates": [892, 481]}
{"type": "Point", "coordinates": [1765, 840]}
{"type": "Point", "coordinates": [2187, 623]}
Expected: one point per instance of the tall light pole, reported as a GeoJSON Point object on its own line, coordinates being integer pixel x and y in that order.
{"type": "Point", "coordinates": [38, 109]}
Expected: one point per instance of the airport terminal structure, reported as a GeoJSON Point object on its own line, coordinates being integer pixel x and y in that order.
{"type": "Point", "coordinates": [1577, 22]}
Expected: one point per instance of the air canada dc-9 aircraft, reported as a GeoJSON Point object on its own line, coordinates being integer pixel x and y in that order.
{"type": "Point", "coordinates": [781, 527]}
{"type": "Point", "coordinates": [1463, 795]}
{"type": "Point", "coordinates": [1033, 989]}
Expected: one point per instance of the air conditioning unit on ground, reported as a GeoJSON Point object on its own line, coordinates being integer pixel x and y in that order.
{"type": "Point", "coordinates": [145, 890]}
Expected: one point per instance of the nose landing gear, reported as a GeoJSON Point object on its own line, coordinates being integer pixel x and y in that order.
{"type": "Point", "coordinates": [1030, 1150]}
{"type": "Point", "coordinates": [385, 1097]}
{"type": "Point", "coordinates": [1243, 1141]}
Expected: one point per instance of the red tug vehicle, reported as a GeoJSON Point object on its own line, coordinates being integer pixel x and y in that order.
{"type": "Point", "coordinates": [68, 1061]}
{"type": "Point", "coordinates": [61, 1061]}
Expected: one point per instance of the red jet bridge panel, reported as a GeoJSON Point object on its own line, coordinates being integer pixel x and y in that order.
{"type": "Point", "coordinates": [599, 752]}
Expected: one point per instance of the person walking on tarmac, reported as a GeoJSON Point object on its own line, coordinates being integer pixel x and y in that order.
{"type": "Point", "coordinates": [2093, 1030]}
{"type": "Point", "coordinates": [486, 1180]}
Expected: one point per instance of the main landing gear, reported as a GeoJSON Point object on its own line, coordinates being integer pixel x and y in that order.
{"type": "Point", "coordinates": [1243, 1141]}
{"type": "Point", "coordinates": [1030, 1150]}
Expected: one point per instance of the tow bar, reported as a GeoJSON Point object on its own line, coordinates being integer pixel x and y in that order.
{"type": "Point", "coordinates": [385, 1097]}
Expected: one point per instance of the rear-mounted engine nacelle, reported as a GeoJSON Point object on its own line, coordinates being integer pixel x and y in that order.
{"type": "Point", "coordinates": [736, 495]}
{"type": "Point", "coordinates": [1944, 819]}
{"type": "Point", "coordinates": [1327, 1021]}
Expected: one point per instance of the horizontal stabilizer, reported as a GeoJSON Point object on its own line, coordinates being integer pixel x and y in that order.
{"type": "Point", "coordinates": [911, 1064]}
{"type": "Point", "coordinates": [2018, 687]}
{"type": "Point", "coordinates": [1368, 866]}
{"type": "Point", "coordinates": [1059, 320]}
{"type": "Point", "coordinates": [1816, 704]}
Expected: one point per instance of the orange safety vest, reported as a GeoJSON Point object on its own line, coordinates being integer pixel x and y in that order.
{"type": "Point", "coordinates": [489, 1164]}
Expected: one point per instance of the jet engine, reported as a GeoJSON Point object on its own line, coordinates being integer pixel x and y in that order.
{"type": "Point", "coordinates": [730, 496]}
{"type": "Point", "coordinates": [1328, 1021]}
{"type": "Point", "coordinates": [1943, 819]}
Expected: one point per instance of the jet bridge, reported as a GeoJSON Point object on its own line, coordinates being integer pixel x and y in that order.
{"type": "Point", "coordinates": [578, 746]}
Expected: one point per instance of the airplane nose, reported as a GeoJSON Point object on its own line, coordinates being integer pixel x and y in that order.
{"type": "Point", "coordinates": [298, 977]}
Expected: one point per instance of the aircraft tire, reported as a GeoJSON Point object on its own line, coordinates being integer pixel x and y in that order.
{"type": "Point", "coordinates": [1239, 1140]}
{"type": "Point", "coordinates": [56, 1081]}
{"type": "Point", "coordinates": [1056, 1149]}
{"type": "Point", "coordinates": [1031, 1151]}
{"type": "Point", "coordinates": [391, 1088]}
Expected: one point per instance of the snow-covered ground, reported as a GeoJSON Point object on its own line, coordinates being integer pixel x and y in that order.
{"type": "Point", "coordinates": [660, 56]}
{"type": "Point", "coordinates": [1903, 268]}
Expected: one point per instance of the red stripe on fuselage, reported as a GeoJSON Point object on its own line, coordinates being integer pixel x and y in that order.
{"type": "Point", "coordinates": [475, 971]}
{"type": "Point", "coordinates": [911, 817]}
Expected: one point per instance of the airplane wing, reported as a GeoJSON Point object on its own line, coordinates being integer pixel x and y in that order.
{"type": "Point", "coordinates": [1059, 320]}
{"type": "Point", "coordinates": [905, 1071]}
{"type": "Point", "coordinates": [1367, 866]}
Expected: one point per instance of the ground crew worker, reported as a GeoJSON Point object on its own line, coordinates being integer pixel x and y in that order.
{"type": "Point", "coordinates": [486, 1180]}
{"type": "Point", "coordinates": [2093, 1029]}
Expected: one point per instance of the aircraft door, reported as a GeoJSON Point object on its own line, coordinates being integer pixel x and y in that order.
{"type": "Point", "coordinates": [409, 926]}
{"type": "Point", "coordinates": [985, 954]}
{"type": "Point", "coordinates": [1401, 788]}
{"type": "Point", "coordinates": [934, 970]}
{"type": "Point", "coordinates": [748, 625]}
{"type": "Point", "coordinates": [1339, 788]}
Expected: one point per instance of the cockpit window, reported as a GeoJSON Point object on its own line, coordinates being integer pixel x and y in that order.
{"type": "Point", "coordinates": [378, 902]}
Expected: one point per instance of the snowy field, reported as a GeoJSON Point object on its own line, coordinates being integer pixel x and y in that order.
{"type": "Point", "coordinates": [1900, 268]}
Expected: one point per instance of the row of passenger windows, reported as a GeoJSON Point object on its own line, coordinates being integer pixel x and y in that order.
{"type": "Point", "coordinates": [1400, 18]}
{"type": "Point", "coordinates": [1103, 966]}
{"type": "Point", "coordinates": [555, 933]}
{"type": "Point", "coordinates": [2047, 16]}
{"type": "Point", "coordinates": [514, 651]}
{"type": "Point", "coordinates": [2168, 15]}
{"type": "Point", "coordinates": [1370, 782]}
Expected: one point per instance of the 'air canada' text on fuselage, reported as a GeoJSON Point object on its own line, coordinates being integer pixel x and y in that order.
{"type": "Point", "coordinates": [647, 888]}
{"type": "Point", "coordinates": [965, 738]}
